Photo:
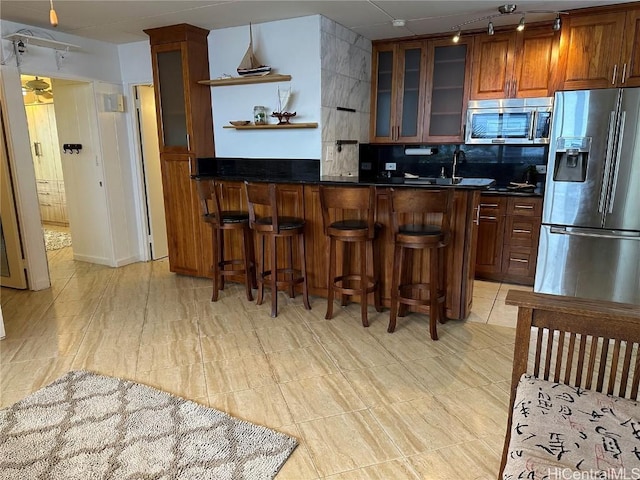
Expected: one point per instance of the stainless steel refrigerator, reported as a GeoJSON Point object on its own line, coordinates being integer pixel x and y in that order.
{"type": "Point", "coordinates": [590, 235]}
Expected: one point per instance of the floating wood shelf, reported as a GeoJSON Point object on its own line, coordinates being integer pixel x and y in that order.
{"type": "Point", "coordinates": [272, 77]}
{"type": "Point", "coordinates": [274, 126]}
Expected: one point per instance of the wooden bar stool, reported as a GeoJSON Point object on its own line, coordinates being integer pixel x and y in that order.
{"type": "Point", "coordinates": [210, 193]}
{"type": "Point", "coordinates": [272, 225]}
{"type": "Point", "coordinates": [420, 220]}
{"type": "Point", "coordinates": [354, 213]}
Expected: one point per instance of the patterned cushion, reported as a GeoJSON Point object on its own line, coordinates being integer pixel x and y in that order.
{"type": "Point", "coordinates": [559, 431]}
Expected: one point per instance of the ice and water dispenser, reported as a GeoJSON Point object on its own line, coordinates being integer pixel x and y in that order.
{"type": "Point", "coordinates": [572, 156]}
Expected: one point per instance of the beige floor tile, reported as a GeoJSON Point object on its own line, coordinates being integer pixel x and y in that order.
{"type": "Point", "coordinates": [412, 342]}
{"type": "Point", "coordinates": [483, 409]}
{"type": "Point", "coordinates": [231, 345]}
{"type": "Point", "coordinates": [211, 324]}
{"type": "Point", "coordinates": [346, 442]}
{"type": "Point", "coordinates": [446, 374]}
{"type": "Point", "coordinates": [460, 337]}
{"type": "Point", "coordinates": [299, 465]}
{"type": "Point", "coordinates": [385, 384]}
{"type": "Point", "coordinates": [166, 332]}
{"type": "Point", "coordinates": [505, 287]}
{"type": "Point", "coordinates": [83, 307]}
{"type": "Point", "coordinates": [494, 363]}
{"type": "Point", "coordinates": [301, 363]}
{"type": "Point", "coordinates": [335, 330]}
{"type": "Point", "coordinates": [395, 469]}
{"type": "Point", "coordinates": [288, 337]}
{"type": "Point", "coordinates": [127, 301]}
{"type": "Point", "coordinates": [33, 374]}
{"type": "Point", "coordinates": [485, 289]}
{"type": "Point", "coordinates": [96, 341]}
{"type": "Point", "coordinates": [171, 311]}
{"type": "Point", "coordinates": [8, 349]}
{"type": "Point", "coordinates": [480, 309]}
{"type": "Point", "coordinates": [109, 362]}
{"type": "Point", "coordinates": [9, 397]}
{"type": "Point", "coordinates": [265, 406]}
{"type": "Point", "coordinates": [467, 461]}
{"type": "Point", "coordinates": [166, 355]}
{"type": "Point", "coordinates": [332, 395]}
{"type": "Point", "coordinates": [503, 315]}
{"type": "Point", "coordinates": [350, 354]}
{"type": "Point", "coordinates": [64, 325]}
{"type": "Point", "coordinates": [242, 373]}
{"type": "Point", "coordinates": [421, 425]}
{"type": "Point", "coordinates": [48, 347]}
{"type": "Point", "coordinates": [186, 381]}
{"type": "Point", "coordinates": [130, 321]}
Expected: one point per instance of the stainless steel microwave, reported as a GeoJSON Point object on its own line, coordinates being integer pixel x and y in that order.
{"type": "Point", "coordinates": [513, 121]}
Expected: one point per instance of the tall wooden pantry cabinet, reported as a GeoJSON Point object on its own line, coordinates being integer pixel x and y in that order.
{"type": "Point", "coordinates": [180, 58]}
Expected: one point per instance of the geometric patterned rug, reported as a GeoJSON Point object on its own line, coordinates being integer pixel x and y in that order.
{"type": "Point", "coordinates": [89, 426]}
{"type": "Point", "coordinates": [54, 240]}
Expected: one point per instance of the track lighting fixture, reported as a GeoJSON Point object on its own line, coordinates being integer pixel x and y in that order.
{"type": "Point", "coordinates": [506, 10]}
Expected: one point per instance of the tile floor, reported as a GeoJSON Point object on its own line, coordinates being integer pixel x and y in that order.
{"type": "Point", "coordinates": [363, 403]}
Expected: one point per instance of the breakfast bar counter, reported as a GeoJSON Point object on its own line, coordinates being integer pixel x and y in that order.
{"type": "Point", "coordinates": [300, 197]}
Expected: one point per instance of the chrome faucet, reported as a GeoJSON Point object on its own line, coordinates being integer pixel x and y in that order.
{"type": "Point", "coordinates": [458, 156]}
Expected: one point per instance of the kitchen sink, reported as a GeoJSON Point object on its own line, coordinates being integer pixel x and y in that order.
{"type": "Point", "coordinates": [468, 182]}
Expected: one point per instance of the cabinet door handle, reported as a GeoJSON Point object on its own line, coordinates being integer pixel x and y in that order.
{"type": "Point", "coordinates": [489, 205]}
{"type": "Point", "coordinates": [190, 169]}
{"type": "Point", "coordinates": [487, 217]}
{"type": "Point", "coordinates": [37, 147]}
{"type": "Point", "coordinates": [188, 142]}
{"type": "Point", "coordinates": [615, 74]}
{"type": "Point", "coordinates": [514, 88]}
{"type": "Point", "coordinates": [519, 260]}
{"type": "Point", "coordinates": [520, 230]}
{"type": "Point", "coordinates": [624, 73]}
{"type": "Point", "coordinates": [524, 207]}
{"type": "Point", "coordinates": [477, 219]}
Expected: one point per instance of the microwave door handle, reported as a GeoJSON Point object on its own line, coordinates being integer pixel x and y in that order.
{"type": "Point", "coordinates": [616, 164]}
{"type": "Point", "coordinates": [533, 123]}
{"type": "Point", "coordinates": [607, 163]}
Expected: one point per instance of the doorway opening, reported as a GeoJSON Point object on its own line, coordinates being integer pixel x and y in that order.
{"type": "Point", "coordinates": [39, 104]}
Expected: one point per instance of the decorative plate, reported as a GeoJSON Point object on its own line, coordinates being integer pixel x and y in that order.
{"type": "Point", "coordinates": [239, 123]}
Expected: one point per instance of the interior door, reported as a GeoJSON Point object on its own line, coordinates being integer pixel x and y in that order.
{"type": "Point", "coordinates": [12, 273]}
{"type": "Point", "coordinates": [152, 175]}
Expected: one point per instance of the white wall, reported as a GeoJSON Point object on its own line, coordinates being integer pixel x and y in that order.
{"type": "Point", "coordinates": [289, 47]}
{"type": "Point", "coordinates": [96, 62]}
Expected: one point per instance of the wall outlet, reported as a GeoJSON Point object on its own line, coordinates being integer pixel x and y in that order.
{"type": "Point", "coordinates": [542, 169]}
{"type": "Point", "coordinates": [390, 166]}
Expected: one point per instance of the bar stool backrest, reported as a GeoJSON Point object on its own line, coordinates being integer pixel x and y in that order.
{"type": "Point", "coordinates": [263, 194]}
{"type": "Point", "coordinates": [420, 203]}
{"type": "Point", "coordinates": [209, 192]}
{"type": "Point", "coordinates": [359, 199]}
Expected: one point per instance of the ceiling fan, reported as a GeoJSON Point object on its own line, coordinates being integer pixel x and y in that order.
{"type": "Point", "coordinates": [39, 87]}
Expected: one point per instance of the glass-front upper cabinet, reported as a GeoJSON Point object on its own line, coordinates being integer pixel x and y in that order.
{"type": "Point", "coordinates": [448, 90]}
{"type": "Point", "coordinates": [399, 92]}
{"type": "Point", "coordinates": [173, 107]}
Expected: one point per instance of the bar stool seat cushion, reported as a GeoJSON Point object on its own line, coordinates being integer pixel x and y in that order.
{"type": "Point", "coordinates": [420, 230]}
{"type": "Point", "coordinates": [232, 216]}
{"type": "Point", "coordinates": [285, 223]}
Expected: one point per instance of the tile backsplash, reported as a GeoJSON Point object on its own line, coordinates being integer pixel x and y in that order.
{"type": "Point", "coordinates": [504, 163]}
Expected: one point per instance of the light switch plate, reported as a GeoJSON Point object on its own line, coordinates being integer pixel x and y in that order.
{"type": "Point", "coordinates": [542, 169]}
{"type": "Point", "coordinates": [390, 166]}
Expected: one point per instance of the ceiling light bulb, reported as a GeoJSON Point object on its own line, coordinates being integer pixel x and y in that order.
{"type": "Point", "coordinates": [53, 17]}
{"type": "Point", "coordinates": [520, 26]}
{"type": "Point", "coordinates": [399, 22]}
{"type": "Point", "coordinates": [456, 37]}
{"type": "Point", "coordinates": [557, 23]}
{"type": "Point", "coordinates": [490, 30]}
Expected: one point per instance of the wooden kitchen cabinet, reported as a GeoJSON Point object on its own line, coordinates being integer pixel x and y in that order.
{"type": "Point", "coordinates": [419, 91]}
{"type": "Point", "coordinates": [515, 64]}
{"type": "Point", "coordinates": [449, 68]}
{"type": "Point", "coordinates": [601, 50]}
{"type": "Point", "coordinates": [398, 91]}
{"type": "Point", "coordinates": [508, 234]}
{"type": "Point", "coordinates": [180, 58]}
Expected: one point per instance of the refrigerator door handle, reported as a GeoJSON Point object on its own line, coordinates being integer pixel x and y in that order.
{"type": "Point", "coordinates": [616, 165]}
{"type": "Point", "coordinates": [589, 232]}
{"type": "Point", "coordinates": [532, 125]}
{"type": "Point", "coordinates": [607, 163]}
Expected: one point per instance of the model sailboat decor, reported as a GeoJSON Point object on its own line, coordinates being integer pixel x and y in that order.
{"type": "Point", "coordinates": [250, 65]}
{"type": "Point", "coordinates": [284, 97]}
